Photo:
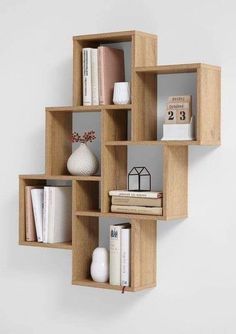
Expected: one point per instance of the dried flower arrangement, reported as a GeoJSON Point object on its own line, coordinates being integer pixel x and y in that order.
{"type": "Point", "coordinates": [85, 138]}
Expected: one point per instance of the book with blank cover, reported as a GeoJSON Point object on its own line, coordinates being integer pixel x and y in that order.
{"type": "Point", "coordinates": [111, 69]}
{"type": "Point", "coordinates": [59, 217]}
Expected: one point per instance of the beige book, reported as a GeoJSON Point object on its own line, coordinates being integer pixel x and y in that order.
{"type": "Point", "coordinates": [118, 200]}
{"type": "Point", "coordinates": [30, 230]}
{"type": "Point", "coordinates": [137, 209]}
{"type": "Point", "coordinates": [111, 69]}
{"type": "Point", "coordinates": [183, 98]}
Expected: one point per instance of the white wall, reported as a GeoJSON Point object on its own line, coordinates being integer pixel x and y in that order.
{"type": "Point", "coordinates": [196, 290]}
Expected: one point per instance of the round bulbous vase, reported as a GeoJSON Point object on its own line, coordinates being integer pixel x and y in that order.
{"type": "Point", "coordinates": [82, 161]}
{"type": "Point", "coordinates": [100, 265]}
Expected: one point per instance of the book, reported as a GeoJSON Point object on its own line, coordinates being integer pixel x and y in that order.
{"type": "Point", "coordinates": [137, 209]}
{"type": "Point", "coordinates": [111, 69]}
{"type": "Point", "coordinates": [59, 215]}
{"type": "Point", "coordinates": [141, 194]}
{"type": "Point", "coordinates": [95, 91]}
{"type": "Point", "coordinates": [46, 214]}
{"type": "Point", "coordinates": [30, 230]}
{"type": "Point", "coordinates": [37, 201]}
{"type": "Point", "coordinates": [183, 98]}
{"type": "Point", "coordinates": [125, 256]}
{"type": "Point", "coordinates": [119, 200]}
{"type": "Point", "coordinates": [87, 76]}
{"type": "Point", "coordinates": [115, 254]}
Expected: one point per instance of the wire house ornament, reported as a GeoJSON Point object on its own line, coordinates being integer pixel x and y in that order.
{"type": "Point", "coordinates": [139, 179]}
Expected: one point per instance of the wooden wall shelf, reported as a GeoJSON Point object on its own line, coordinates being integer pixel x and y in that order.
{"type": "Point", "coordinates": [90, 199]}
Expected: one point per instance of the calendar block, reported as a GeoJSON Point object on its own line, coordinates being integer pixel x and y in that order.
{"type": "Point", "coordinates": [171, 116]}
{"type": "Point", "coordinates": [183, 116]}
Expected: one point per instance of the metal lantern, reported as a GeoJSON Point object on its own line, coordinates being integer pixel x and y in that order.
{"type": "Point", "coordinates": [139, 179]}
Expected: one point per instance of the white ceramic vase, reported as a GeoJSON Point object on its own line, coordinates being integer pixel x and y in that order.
{"type": "Point", "coordinates": [121, 94]}
{"type": "Point", "coordinates": [100, 265]}
{"type": "Point", "coordinates": [82, 161]}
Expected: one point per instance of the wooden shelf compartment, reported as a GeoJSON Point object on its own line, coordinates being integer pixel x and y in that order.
{"type": "Point", "coordinates": [86, 196]}
{"type": "Point", "coordinates": [59, 127]}
{"type": "Point", "coordinates": [143, 253]}
{"type": "Point", "coordinates": [143, 53]}
{"type": "Point", "coordinates": [208, 85]}
{"type": "Point", "coordinates": [35, 180]}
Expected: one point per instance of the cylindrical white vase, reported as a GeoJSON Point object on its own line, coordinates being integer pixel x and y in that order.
{"type": "Point", "coordinates": [121, 94]}
{"type": "Point", "coordinates": [100, 265]}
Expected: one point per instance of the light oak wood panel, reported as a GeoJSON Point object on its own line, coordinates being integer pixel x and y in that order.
{"type": "Point", "coordinates": [98, 213]}
{"type": "Point", "coordinates": [57, 245]}
{"type": "Point", "coordinates": [144, 87]}
{"type": "Point", "coordinates": [143, 253]}
{"type": "Point", "coordinates": [175, 68]}
{"type": "Point", "coordinates": [152, 142]}
{"type": "Point", "coordinates": [208, 105]}
{"type": "Point", "coordinates": [175, 182]}
{"type": "Point", "coordinates": [84, 241]}
{"type": "Point", "coordinates": [61, 177]}
{"type": "Point", "coordinates": [115, 125]}
{"type": "Point", "coordinates": [90, 108]}
{"type": "Point", "coordinates": [120, 36]}
{"type": "Point", "coordinates": [58, 144]}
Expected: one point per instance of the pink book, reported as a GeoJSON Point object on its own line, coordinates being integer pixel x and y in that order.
{"type": "Point", "coordinates": [111, 69]}
{"type": "Point", "coordinates": [29, 216]}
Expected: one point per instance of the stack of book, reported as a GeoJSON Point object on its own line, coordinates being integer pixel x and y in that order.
{"type": "Point", "coordinates": [102, 67]}
{"type": "Point", "coordinates": [143, 202]}
{"type": "Point", "coordinates": [120, 254]}
{"type": "Point", "coordinates": [48, 214]}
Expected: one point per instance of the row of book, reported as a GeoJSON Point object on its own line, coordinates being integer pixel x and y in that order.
{"type": "Point", "coordinates": [120, 239]}
{"type": "Point", "coordinates": [143, 202]}
{"type": "Point", "coordinates": [101, 68]}
{"type": "Point", "coordinates": [48, 214]}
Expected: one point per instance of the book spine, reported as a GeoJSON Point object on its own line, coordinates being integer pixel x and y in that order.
{"type": "Point", "coordinates": [101, 75]}
{"type": "Point", "coordinates": [45, 214]}
{"type": "Point", "coordinates": [118, 200]}
{"type": "Point", "coordinates": [125, 257]}
{"type": "Point", "coordinates": [29, 216]}
{"type": "Point", "coordinates": [115, 261]}
{"type": "Point", "coordinates": [51, 216]}
{"type": "Point", "coordinates": [87, 77]}
{"type": "Point", "coordinates": [180, 99]}
{"type": "Point", "coordinates": [37, 200]}
{"type": "Point", "coordinates": [124, 193]}
{"type": "Point", "coordinates": [95, 92]}
{"type": "Point", "coordinates": [137, 209]}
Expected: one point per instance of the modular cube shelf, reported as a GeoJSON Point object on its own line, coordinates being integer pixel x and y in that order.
{"type": "Point", "coordinates": [90, 199]}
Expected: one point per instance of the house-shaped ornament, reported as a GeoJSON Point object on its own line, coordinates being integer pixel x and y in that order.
{"type": "Point", "coordinates": [139, 179]}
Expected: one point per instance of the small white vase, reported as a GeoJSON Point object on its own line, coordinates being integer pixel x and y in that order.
{"type": "Point", "coordinates": [121, 94]}
{"type": "Point", "coordinates": [100, 265]}
{"type": "Point", "coordinates": [82, 161]}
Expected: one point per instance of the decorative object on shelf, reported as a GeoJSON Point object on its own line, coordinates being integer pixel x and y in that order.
{"type": "Point", "coordinates": [83, 161]}
{"type": "Point", "coordinates": [121, 93]}
{"type": "Point", "coordinates": [139, 179]}
{"type": "Point", "coordinates": [100, 265]}
{"type": "Point", "coordinates": [178, 119]}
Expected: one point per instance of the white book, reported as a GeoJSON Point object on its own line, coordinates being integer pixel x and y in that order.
{"type": "Point", "coordinates": [37, 201]}
{"type": "Point", "coordinates": [46, 214]}
{"type": "Point", "coordinates": [125, 256]}
{"type": "Point", "coordinates": [115, 243]}
{"type": "Point", "coordinates": [60, 214]}
{"type": "Point", "coordinates": [144, 194]}
{"type": "Point", "coordinates": [95, 89]}
{"type": "Point", "coordinates": [87, 76]}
